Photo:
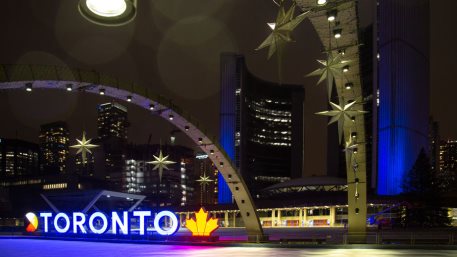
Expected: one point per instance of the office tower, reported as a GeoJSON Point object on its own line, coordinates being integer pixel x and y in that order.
{"type": "Point", "coordinates": [86, 168]}
{"type": "Point", "coordinates": [54, 146]}
{"type": "Point", "coordinates": [261, 127]}
{"type": "Point", "coordinates": [448, 157]}
{"type": "Point", "coordinates": [112, 126]}
{"type": "Point", "coordinates": [18, 158]}
{"type": "Point", "coordinates": [403, 36]}
{"type": "Point", "coordinates": [112, 121]}
{"type": "Point", "coordinates": [177, 185]}
{"type": "Point", "coordinates": [206, 178]}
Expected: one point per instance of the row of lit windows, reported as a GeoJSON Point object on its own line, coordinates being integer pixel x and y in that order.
{"type": "Point", "coordinates": [284, 132]}
{"type": "Point", "coordinates": [273, 138]}
{"type": "Point", "coordinates": [55, 186]}
{"type": "Point", "coordinates": [276, 102]}
{"type": "Point", "coordinates": [270, 111]}
{"type": "Point", "coordinates": [270, 143]}
{"type": "Point", "coordinates": [22, 182]}
{"type": "Point", "coordinates": [262, 117]}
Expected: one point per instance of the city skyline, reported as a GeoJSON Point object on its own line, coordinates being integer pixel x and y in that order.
{"type": "Point", "coordinates": [280, 122]}
{"type": "Point", "coordinates": [21, 116]}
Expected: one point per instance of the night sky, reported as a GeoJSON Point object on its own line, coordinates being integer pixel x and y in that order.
{"type": "Point", "coordinates": [173, 47]}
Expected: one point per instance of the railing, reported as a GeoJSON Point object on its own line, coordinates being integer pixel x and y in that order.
{"type": "Point", "coordinates": [401, 238]}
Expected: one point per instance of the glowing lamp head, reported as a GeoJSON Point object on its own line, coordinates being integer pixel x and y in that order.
{"type": "Point", "coordinates": [321, 2]}
{"type": "Point", "coordinates": [107, 8]}
{"type": "Point", "coordinates": [331, 15]}
{"type": "Point", "coordinates": [337, 33]}
{"type": "Point", "coordinates": [28, 87]}
{"type": "Point", "coordinates": [108, 12]}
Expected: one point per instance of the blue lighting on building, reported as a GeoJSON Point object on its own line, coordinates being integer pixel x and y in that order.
{"type": "Point", "coordinates": [403, 79]}
{"type": "Point", "coordinates": [227, 141]}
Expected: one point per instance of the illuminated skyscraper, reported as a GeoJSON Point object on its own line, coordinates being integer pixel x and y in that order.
{"type": "Point", "coordinates": [112, 132]}
{"type": "Point", "coordinates": [448, 157]}
{"type": "Point", "coordinates": [404, 88]}
{"type": "Point", "coordinates": [112, 121]}
{"type": "Point", "coordinates": [54, 146]}
{"type": "Point", "coordinates": [206, 176]}
{"type": "Point", "coordinates": [18, 158]}
{"type": "Point", "coordinates": [177, 185]}
{"type": "Point", "coordinates": [261, 127]}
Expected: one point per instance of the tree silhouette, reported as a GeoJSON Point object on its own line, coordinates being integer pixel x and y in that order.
{"type": "Point", "coordinates": [422, 189]}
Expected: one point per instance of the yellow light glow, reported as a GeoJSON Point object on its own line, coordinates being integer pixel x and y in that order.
{"type": "Point", "coordinates": [201, 225]}
{"type": "Point", "coordinates": [107, 8]}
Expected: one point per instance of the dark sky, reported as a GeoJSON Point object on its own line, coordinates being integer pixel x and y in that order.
{"type": "Point", "coordinates": [173, 47]}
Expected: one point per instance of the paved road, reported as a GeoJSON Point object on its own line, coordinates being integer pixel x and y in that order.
{"type": "Point", "coordinates": [51, 248]}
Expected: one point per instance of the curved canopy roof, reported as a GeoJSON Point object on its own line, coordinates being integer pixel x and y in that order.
{"type": "Point", "coordinates": [309, 181]}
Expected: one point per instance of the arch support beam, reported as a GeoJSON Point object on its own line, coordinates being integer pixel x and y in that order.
{"type": "Point", "coordinates": [53, 77]}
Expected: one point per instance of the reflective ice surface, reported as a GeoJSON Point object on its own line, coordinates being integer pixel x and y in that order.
{"type": "Point", "coordinates": [54, 248]}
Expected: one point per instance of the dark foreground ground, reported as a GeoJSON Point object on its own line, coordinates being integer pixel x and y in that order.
{"type": "Point", "coordinates": [57, 248]}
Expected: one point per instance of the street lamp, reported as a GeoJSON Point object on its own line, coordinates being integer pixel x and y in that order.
{"type": "Point", "coordinates": [108, 12]}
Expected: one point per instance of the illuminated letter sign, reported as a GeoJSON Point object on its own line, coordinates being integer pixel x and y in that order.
{"type": "Point", "coordinates": [99, 222]}
{"type": "Point", "coordinates": [66, 219]}
{"type": "Point", "coordinates": [32, 221]}
{"type": "Point", "coordinates": [201, 225]}
{"type": "Point", "coordinates": [174, 223]}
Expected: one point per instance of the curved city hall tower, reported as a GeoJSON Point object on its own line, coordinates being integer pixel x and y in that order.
{"type": "Point", "coordinates": [261, 127]}
{"type": "Point", "coordinates": [403, 79]}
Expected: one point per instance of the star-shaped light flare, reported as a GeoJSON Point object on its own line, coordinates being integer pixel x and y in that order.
{"type": "Point", "coordinates": [331, 68]}
{"type": "Point", "coordinates": [341, 113]}
{"type": "Point", "coordinates": [204, 180]}
{"type": "Point", "coordinates": [160, 163]}
{"type": "Point", "coordinates": [281, 29]}
{"type": "Point", "coordinates": [84, 147]}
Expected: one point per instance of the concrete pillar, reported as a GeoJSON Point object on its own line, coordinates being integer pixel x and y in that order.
{"type": "Point", "coordinates": [300, 217]}
{"type": "Point", "coordinates": [226, 219]}
{"type": "Point", "coordinates": [273, 217]}
{"type": "Point", "coordinates": [234, 219]}
{"type": "Point", "coordinates": [279, 218]}
{"type": "Point", "coordinates": [305, 214]}
{"type": "Point", "coordinates": [332, 216]}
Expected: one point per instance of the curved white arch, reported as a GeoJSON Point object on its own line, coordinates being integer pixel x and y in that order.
{"type": "Point", "coordinates": [54, 77]}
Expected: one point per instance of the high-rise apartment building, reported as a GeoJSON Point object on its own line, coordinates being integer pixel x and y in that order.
{"type": "Point", "coordinates": [261, 127]}
{"type": "Point", "coordinates": [176, 187]}
{"type": "Point", "coordinates": [448, 156]}
{"type": "Point", "coordinates": [18, 158]}
{"type": "Point", "coordinates": [206, 176]}
{"type": "Point", "coordinates": [54, 145]}
{"type": "Point", "coordinates": [112, 126]}
{"type": "Point", "coordinates": [112, 121]}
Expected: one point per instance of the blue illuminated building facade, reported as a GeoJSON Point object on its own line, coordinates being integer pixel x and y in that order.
{"type": "Point", "coordinates": [403, 82]}
{"type": "Point", "coordinates": [261, 127]}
